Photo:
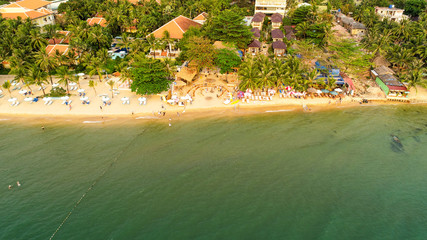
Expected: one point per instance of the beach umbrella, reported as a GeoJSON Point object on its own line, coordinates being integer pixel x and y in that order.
{"type": "Point", "coordinates": [288, 88]}
{"type": "Point", "coordinates": [80, 90]}
{"type": "Point", "coordinates": [311, 90]}
{"type": "Point", "coordinates": [105, 99]}
{"type": "Point", "coordinates": [80, 74]}
{"type": "Point", "coordinates": [55, 85]}
{"type": "Point", "coordinates": [240, 94]}
{"type": "Point", "coordinates": [318, 92]}
{"type": "Point", "coordinates": [23, 91]}
{"type": "Point", "coordinates": [28, 99]}
{"type": "Point", "coordinates": [72, 84]}
{"type": "Point", "coordinates": [84, 98]}
{"type": "Point", "coordinates": [1, 91]}
{"type": "Point", "coordinates": [338, 90]}
{"type": "Point", "coordinates": [124, 99]}
{"type": "Point", "coordinates": [334, 93]}
{"type": "Point", "coordinates": [11, 100]}
{"type": "Point", "coordinates": [65, 98]}
{"type": "Point", "coordinates": [325, 91]}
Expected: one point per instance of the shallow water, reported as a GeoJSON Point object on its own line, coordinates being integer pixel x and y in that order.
{"type": "Point", "coordinates": [285, 175]}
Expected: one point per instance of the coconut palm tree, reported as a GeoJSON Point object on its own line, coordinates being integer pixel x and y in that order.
{"type": "Point", "coordinates": [37, 76]}
{"type": "Point", "coordinates": [265, 71]}
{"type": "Point", "coordinates": [111, 84]}
{"type": "Point", "coordinates": [152, 44]}
{"type": "Point", "coordinates": [65, 76]}
{"type": "Point", "coordinates": [92, 84]}
{"type": "Point", "coordinates": [37, 41]}
{"type": "Point", "coordinates": [168, 41]}
{"type": "Point", "coordinates": [46, 62]}
{"type": "Point", "coordinates": [94, 66]}
{"type": "Point", "coordinates": [249, 74]}
{"type": "Point", "coordinates": [6, 85]}
{"type": "Point", "coordinates": [18, 67]}
{"type": "Point", "coordinates": [415, 78]}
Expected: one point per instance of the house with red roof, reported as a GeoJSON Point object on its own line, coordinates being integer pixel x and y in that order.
{"type": "Point", "coordinates": [53, 50]}
{"type": "Point", "coordinates": [176, 29]}
{"type": "Point", "coordinates": [36, 10]}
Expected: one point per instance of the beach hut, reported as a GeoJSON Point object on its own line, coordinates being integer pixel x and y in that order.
{"type": "Point", "coordinates": [276, 20]}
{"type": "Point", "coordinates": [277, 35]}
{"type": "Point", "coordinates": [254, 47]}
{"type": "Point", "coordinates": [279, 48]}
{"type": "Point", "coordinates": [186, 75]}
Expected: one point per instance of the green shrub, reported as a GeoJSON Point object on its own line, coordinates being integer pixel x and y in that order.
{"type": "Point", "coordinates": [57, 92]}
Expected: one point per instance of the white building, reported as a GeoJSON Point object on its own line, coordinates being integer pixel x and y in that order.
{"type": "Point", "coordinates": [392, 13]}
{"type": "Point", "coordinates": [270, 7]}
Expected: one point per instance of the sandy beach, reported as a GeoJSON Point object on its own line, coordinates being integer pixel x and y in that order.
{"type": "Point", "coordinates": [205, 103]}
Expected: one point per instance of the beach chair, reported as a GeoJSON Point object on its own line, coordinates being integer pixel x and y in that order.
{"type": "Point", "coordinates": [17, 103]}
{"type": "Point", "coordinates": [50, 103]}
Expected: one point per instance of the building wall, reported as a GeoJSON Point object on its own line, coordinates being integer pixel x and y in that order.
{"type": "Point", "coordinates": [382, 85]}
{"type": "Point", "coordinates": [276, 25]}
{"type": "Point", "coordinates": [270, 7]}
{"type": "Point", "coordinates": [257, 25]}
{"type": "Point", "coordinates": [46, 20]}
{"type": "Point", "coordinates": [358, 32]}
{"type": "Point", "coordinates": [280, 52]}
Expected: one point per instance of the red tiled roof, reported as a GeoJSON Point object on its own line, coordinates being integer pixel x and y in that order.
{"type": "Point", "coordinates": [202, 16]}
{"type": "Point", "coordinates": [254, 44]}
{"type": "Point", "coordinates": [97, 20]}
{"type": "Point", "coordinates": [61, 48]}
{"type": "Point", "coordinates": [276, 18]}
{"type": "Point", "coordinates": [27, 14]}
{"type": "Point", "coordinates": [176, 27]}
{"type": "Point", "coordinates": [29, 4]}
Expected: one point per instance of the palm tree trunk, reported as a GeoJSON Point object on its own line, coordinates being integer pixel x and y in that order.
{"type": "Point", "coordinates": [44, 94]}
{"type": "Point", "coordinates": [51, 81]}
{"type": "Point", "coordinates": [94, 90]}
{"type": "Point", "coordinates": [99, 77]}
{"type": "Point", "coordinates": [66, 85]}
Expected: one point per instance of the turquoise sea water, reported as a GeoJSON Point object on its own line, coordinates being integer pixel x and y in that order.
{"type": "Point", "coordinates": [324, 175]}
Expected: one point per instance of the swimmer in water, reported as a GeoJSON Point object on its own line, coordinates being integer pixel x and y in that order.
{"type": "Point", "coordinates": [42, 127]}
{"type": "Point", "coordinates": [18, 183]}
{"type": "Point", "coordinates": [10, 186]}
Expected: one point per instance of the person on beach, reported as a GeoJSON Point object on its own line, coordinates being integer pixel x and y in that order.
{"type": "Point", "coordinates": [100, 107]}
{"type": "Point", "coordinates": [69, 106]}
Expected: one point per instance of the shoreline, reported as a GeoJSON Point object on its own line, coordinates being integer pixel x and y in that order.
{"type": "Point", "coordinates": [190, 113]}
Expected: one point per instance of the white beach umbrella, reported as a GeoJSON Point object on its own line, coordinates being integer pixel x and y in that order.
{"type": "Point", "coordinates": [142, 99]}
{"type": "Point", "coordinates": [124, 99]}
{"type": "Point", "coordinates": [28, 99]}
{"type": "Point", "coordinates": [105, 99]}
{"type": "Point", "coordinates": [11, 99]}
{"type": "Point", "coordinates": [1, 91]}
{"type": "Point", "coordinates": [338, 90]}
{"type": "Point", "coordinates": [319, 92]}
{"type": "Point", "coordinates": [23, 91]}
{"type": "Point", "coordinates": [84, 98]}
{"type": "Point", "coordinates": [80, 74]}
{"type": "Point", "coordinates": [80, 90]}
{"type": "Point", "coordinates": [73, 84]}
{"type": "Point", "coordinates": [65, 98]}
{"type": "Point", "coordinates": [55, 85]}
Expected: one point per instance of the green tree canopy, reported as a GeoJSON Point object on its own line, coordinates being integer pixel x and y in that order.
{"type": "Point", "coordinates": [149, 76]}
{"type": "Point", "coordinates": [228, 26]}
{"type": "Point", "coordinates": [226, 60]}
{"type": "Point", "coordinates": [201, 52]}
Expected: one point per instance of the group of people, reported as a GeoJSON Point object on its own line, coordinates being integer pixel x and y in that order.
{"type": "Point", "coordinates": [17, 184]}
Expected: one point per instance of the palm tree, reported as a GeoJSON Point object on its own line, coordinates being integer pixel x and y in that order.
{"type": "Point", "coordinates": [37, 41]}
{"type": "Point", "coordinates": [93, 84]}
{"type": "Point", "coordinates": [37, 76]}
{"type": "Point", "coordinates": [65, 76]}
{"type": "Point", "coordinates": [51, 32]}
{"type": "Point", "coordinates": [152, 44]}
{"type": "Point", "coordinates": [95, 67]}
{"type": "Point", "coordinates": [415, 78]}
{"type": "Point", "coordinates": [265, 70]}
{"type": "Point", "coordinates": [18, 68]}
{"type": "Point", "coordinates": [168, 40]}
{"type": "Point", "coordinates": [249, 74]}
{"type": "Point", "coordinates": [111, 83]}
{"type": "Point", "coordinates": [46, 62]}
{"type": "Point", "coordinates": [6, 85]}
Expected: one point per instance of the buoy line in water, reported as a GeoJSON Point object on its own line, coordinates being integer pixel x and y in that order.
{"type": "Point", "coordinates": [90, 188]}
